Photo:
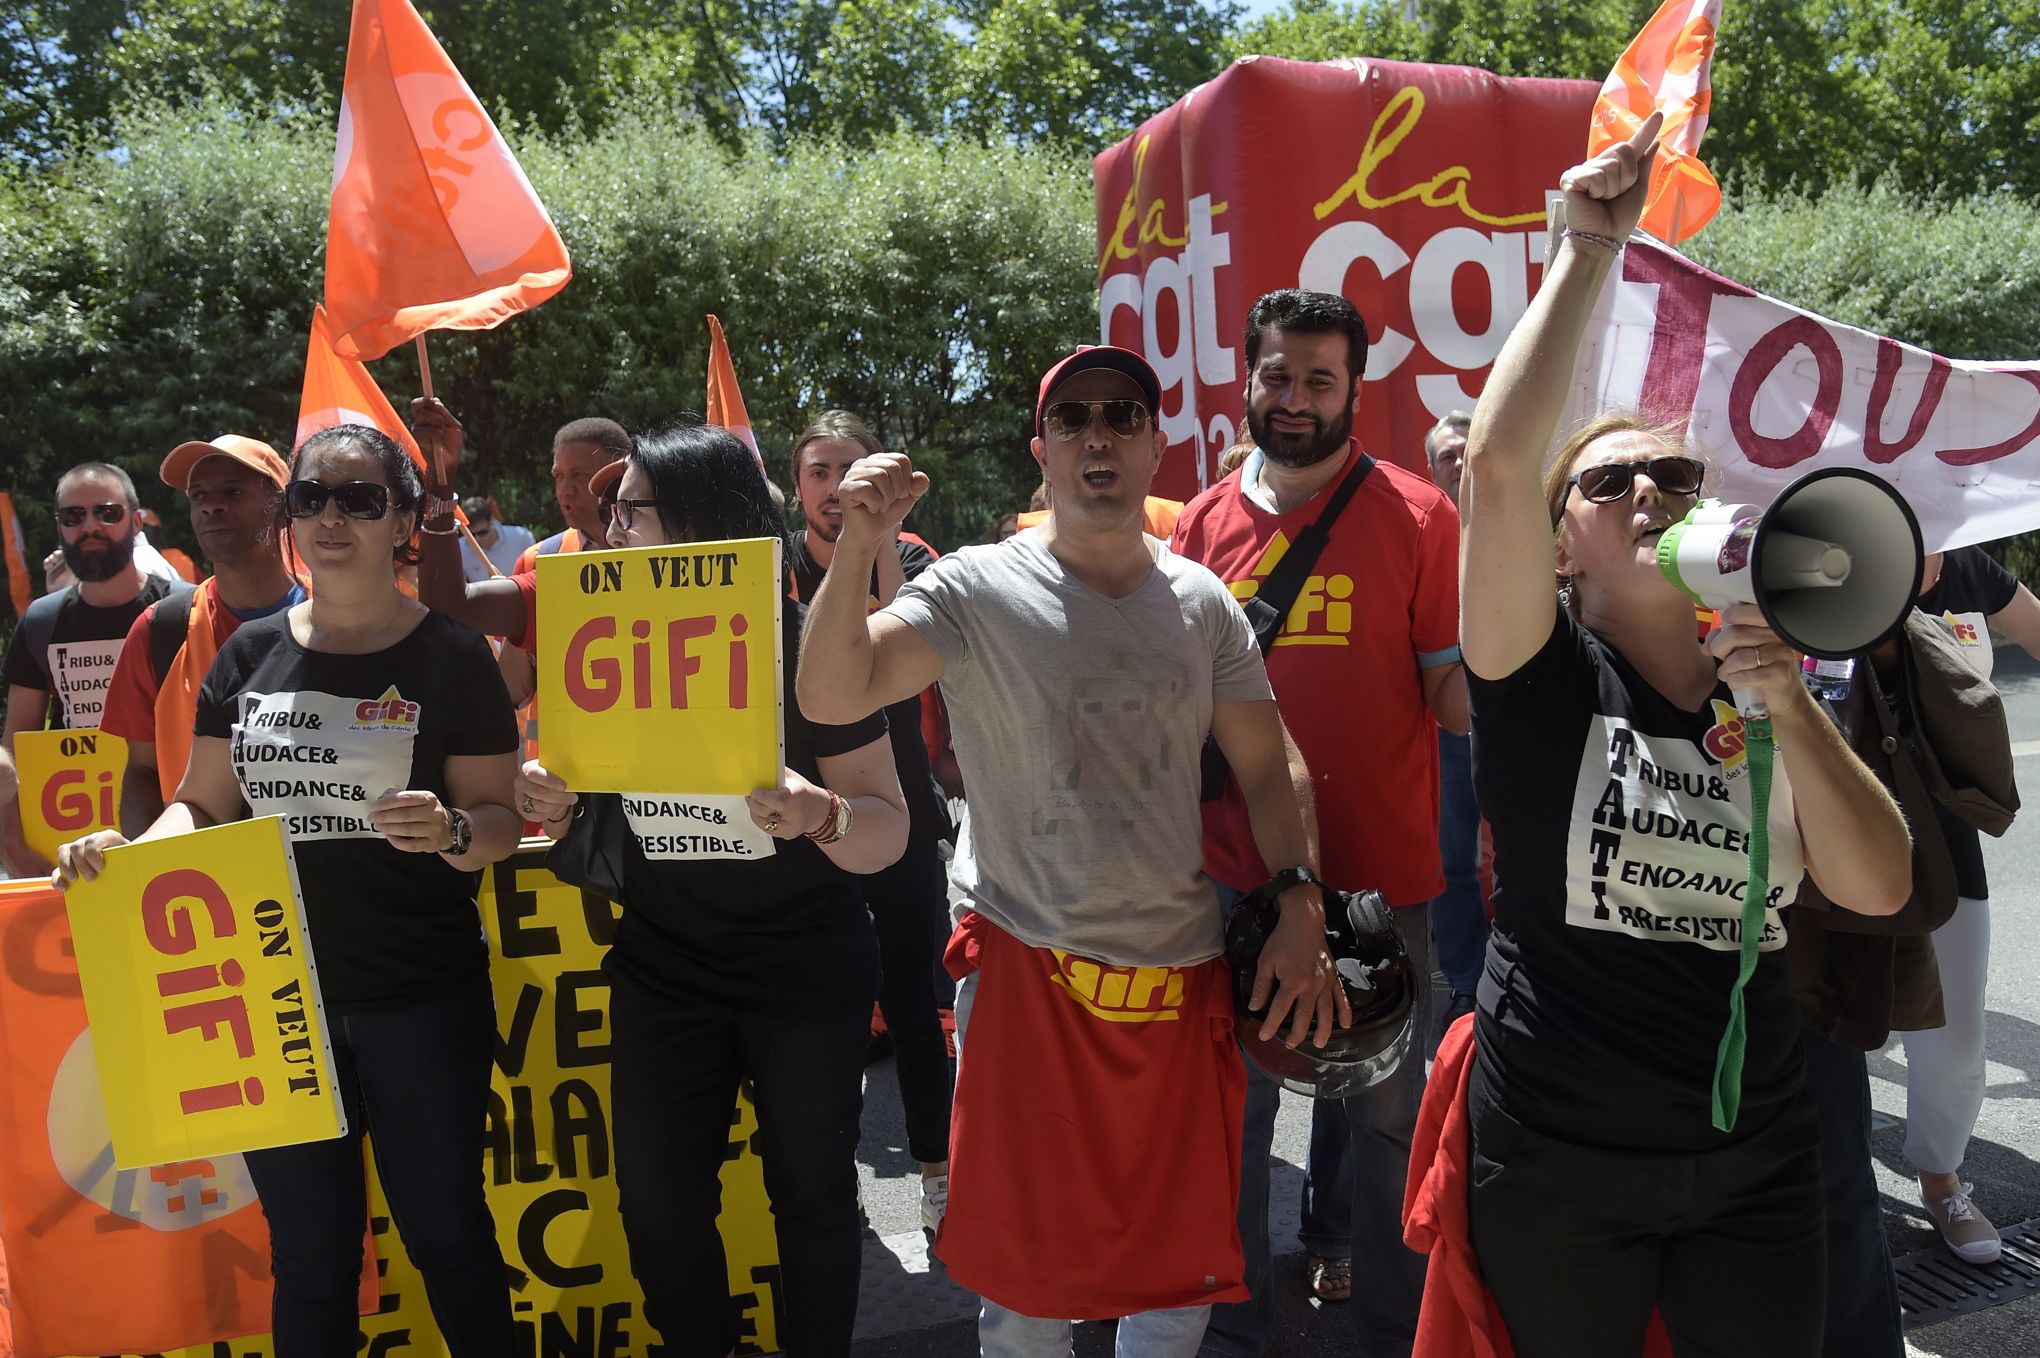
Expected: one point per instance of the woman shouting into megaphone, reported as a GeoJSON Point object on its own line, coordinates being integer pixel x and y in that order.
{"type": "Point", "coordinates": [1641, 1138]}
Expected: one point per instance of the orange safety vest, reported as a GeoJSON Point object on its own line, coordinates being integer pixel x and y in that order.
{"type": "Point", "coordinates": [177, 696]}
{"type": "Point", "coordinates": [1157, 516]}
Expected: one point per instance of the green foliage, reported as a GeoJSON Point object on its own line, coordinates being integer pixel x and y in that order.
{"type": "Point", "coordinates": [1325, 30]}
{"type": "Point", "coordinates": [1075, 74]}
{"type": "Point", "coordinates": [166, 292]}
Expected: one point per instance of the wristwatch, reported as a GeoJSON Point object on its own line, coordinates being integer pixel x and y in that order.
{"type": "Point", "coordinates": [462, 831]}
{"type": "Point", "coordinates": [1296, 876]}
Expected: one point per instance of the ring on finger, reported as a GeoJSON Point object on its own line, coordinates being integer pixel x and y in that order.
{"type": "Point", "coordinates": [528, 808]}
{"type": "Point", "coordinates": [772, 824]}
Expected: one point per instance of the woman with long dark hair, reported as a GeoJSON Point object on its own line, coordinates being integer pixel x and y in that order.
{"type": "Point", "coordinates": [401, 712]}
{"type": "Point", "coordinates": [741, 969]}
{"type": "Point", "coordinates": [1622, 1158]}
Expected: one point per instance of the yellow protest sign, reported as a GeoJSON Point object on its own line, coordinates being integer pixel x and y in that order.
{"type": "Point", "coordinates": [70, 785]}
{"type": "Point", "coordinates": [549, 1168]}
{"type": "Point", "coordinates": [202, 997]}
{"type": "Point", "coordinates": [659, 668]}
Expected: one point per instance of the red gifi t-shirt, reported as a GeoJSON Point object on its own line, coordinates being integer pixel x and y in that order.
{"type": "Point", "coordinates": [1382, 598]}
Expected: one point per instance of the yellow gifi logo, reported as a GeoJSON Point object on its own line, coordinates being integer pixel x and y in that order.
{"type": "Point", "coordinates": [1321, 615]}
{"type": "Point", "coordinates": [1121, 994]}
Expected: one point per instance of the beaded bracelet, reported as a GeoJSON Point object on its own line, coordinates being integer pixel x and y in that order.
{"type": "Point", "coordinates": [1608, 243]}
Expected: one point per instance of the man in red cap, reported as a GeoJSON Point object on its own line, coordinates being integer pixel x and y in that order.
{"type": "Point", "coordinates": [232, 484]}
{"type": "Point", "coordinates": [1094, 1164]}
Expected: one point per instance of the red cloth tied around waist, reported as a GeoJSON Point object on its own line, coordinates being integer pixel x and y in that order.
{"type": "Point", "coordinates": [1095, 1145]}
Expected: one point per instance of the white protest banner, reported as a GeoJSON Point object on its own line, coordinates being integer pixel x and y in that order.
{"type": "Point", "coordinates": [1775, 392]}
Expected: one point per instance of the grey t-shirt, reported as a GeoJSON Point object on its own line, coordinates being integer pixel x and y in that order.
{"type": "Point", "coordinates": [1077, 721]}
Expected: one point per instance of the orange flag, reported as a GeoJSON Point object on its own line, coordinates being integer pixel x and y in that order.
{"type": "Point", "coordinates": [1666, 67]}
{"type": "Point", "coordinates": [340, 391]}
{"type": "Point", "coordinates": [725, 398]}
{"type": "Point", "coordinates": [19, 587]}
{"type": "Point", "coordinates": [433, 226]}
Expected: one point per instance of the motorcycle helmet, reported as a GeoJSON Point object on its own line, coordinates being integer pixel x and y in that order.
{"type": "Point", "coordinates": [1374, 968]}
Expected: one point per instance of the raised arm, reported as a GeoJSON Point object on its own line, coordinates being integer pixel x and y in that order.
{"type": "Point", "coordinates": [852, 664]}
{"type": "Point", "coordinates": [493, 606]}
{"type": "Point", "coordinates": [1507, 567]}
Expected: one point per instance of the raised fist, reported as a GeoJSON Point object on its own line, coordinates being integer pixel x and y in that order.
{"type": "Point", "coordinates": [1606, 195]}
{"type": "Point", "coordinates": [876, 494]}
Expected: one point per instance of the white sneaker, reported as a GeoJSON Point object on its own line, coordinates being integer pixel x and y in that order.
{"type": "Point", "coordinates": [1968, 1233]}
{"type": "Point", "coordinates": [935, 1201]}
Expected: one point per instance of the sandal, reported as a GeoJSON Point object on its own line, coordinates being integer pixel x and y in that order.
{"type": "Point", "coordinates": [1331, 1279]}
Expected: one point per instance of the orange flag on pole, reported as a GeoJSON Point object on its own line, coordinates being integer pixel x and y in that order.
{"type": "Point", "coordinates": [340, 391]}
{"type": "Point", "coordinates": [19, 586]}
{"type": "Point", "coordinates": [725, 398]}
{"type": "Point", "coordinates": [433, 225]}
{"type": "Point", "coordinates": [1666, 67]}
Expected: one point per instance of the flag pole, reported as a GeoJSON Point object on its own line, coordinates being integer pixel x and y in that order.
{"type": "Point", "coordinates": [469, 534]}
{"type": "Point", "coordinates": [424, 369]}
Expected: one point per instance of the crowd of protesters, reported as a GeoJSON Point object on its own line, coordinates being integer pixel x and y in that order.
{"type": "Point", "coordinates": [1019, 725]}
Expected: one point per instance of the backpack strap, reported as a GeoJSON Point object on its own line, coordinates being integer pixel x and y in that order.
{"type": "Point", "coordinates": [169, 626]}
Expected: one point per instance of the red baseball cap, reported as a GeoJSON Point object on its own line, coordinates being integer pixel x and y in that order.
{"type": "Point", "coordinates": [248, 452]}
{"type": "Point", "coordinates": [1111, 358]}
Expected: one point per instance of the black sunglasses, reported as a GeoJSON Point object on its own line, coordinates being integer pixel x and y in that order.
{"type": "Point", "coordinates": [357, 499]}
{"type": "Point", "coordinates": [1068, 419]}
{"type": "Point", "coordinates": [72, 515]}
{"type": "Point", "coordinates": [1610, 481]}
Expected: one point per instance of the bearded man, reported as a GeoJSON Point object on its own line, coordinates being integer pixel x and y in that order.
{"type": "Point", "coordinates": [1365, 670]}
{"type": "Point", "coordinates": [61, 658]}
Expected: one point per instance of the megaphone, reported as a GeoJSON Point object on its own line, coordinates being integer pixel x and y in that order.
{"type": "Point", "coordinates": [1834, 562]}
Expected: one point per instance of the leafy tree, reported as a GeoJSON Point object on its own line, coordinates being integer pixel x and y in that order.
{"type": "Point", "coordinates": [1325, 30]}
{"type": "Point", "coordinates": [165, 293]}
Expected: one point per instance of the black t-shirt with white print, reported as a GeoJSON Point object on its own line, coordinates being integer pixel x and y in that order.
{"type": "Point", "coordinates": [317, 737]}
{"type": "Point", "coordinates": [1621, 829]}
{"type": "Point", "coordinates": [68, 647]}
{"type": "Point", "coordinates": [708, 917]}
{"type": "Point", "coordinates": [1971, 588]}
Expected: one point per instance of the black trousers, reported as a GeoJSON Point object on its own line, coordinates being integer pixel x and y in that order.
{"type": "Point", "coordinates": [674, 1068]}
{"type": "Point", "coordinates": [909, 904]}
{"type": "Point", "coordinates": [1862, 1292]}
{"type": "Point", "coordinates": [1577, 1245]}
{"type": "Point", "coordinates": [416, 1078]}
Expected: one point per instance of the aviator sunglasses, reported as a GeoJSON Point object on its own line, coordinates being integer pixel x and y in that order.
{"type": "Point", "coordinates": [1068, 419]}
{"type": "Point", "coordinates": [1611, 481]}
{"type": "Point", "coordinates": [357, 499]}
{"type": "Point", "coordinates": [71, 516]}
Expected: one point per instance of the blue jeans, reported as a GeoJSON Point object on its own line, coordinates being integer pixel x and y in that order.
{"type": "Point", "coordinates": [1373, 1157]}
{"type": "Point", "coordinates": [1862, 1294]}
{"type": "Point", "coordinates": [1150, 1334]}
{"type": "Point", "coordinates": [1459, 923]}
{"type": "Point", "coordinates": [416, 1077]}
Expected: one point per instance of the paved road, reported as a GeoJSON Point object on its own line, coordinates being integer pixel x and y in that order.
{"type": "Point", "coordinates": [911, 1311]}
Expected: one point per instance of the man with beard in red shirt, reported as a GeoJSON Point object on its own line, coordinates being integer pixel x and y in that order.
{"type": "Point", "coordinates": [1365, 670]}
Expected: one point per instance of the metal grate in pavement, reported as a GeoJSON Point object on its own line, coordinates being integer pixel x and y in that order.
{"type": "Point", "coordinates": [1934, 1285]}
